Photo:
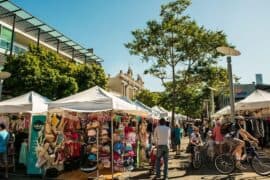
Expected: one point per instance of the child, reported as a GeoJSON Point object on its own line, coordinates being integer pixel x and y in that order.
{"type": "Point", "coordinates": [210, 143]}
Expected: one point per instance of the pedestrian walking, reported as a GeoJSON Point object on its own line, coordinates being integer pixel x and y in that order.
{"type": "Point", "coordinates": [189, 130]}
{"type": "Point", "coordinates": [161, 138]}
{"type": "Point", "coordinates": [178, 133]}
{"type": "Point", "coordinates": [218, 136]}
{"type": "Point", "coordinates": [4, 136]}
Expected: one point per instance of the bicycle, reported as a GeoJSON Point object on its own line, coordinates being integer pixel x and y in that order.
{"type": "Point", "coordinates": [225, 163]}
{"type": "Point", "coordinates": [196, 157]}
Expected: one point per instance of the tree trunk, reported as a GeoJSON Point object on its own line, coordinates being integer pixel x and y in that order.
{"type": "Point", "coordinates": [173, 95]}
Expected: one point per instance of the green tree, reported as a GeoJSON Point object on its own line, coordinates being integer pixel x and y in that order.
{"type": "Point", "coordinates": [173, 43]}
{"type": "Point", "coordinates": [148, 98]}
{"type": "Point", "coordinates": [49, 74]}
{"type": "Point", "coordinates": [89, 76]}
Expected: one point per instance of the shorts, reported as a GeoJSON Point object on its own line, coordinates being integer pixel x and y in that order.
{"type": "Point", "coordinates": [233, 142]}
{"type": "Point", "coordinates": [3, 158]}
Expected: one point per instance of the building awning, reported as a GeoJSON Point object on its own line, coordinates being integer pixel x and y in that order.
{"type": "Point", "coordinates": [29, 24]}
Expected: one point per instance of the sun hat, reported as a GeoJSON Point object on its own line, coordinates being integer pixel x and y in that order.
{"type": "Point", "coordinates": [92, 157]}
{"type": "Point", "coordinates": [92, 140]}
{"type": "Point", "coordinates": [118, 147]}
{"type": "Point", "coordinates": [104, 132]}
{"type": "Point", "coordinates": [92, 132]}
{"type": "Point", "coordinates": [95, 124]}
{"type": "Point", "coordinates": [128, 147]}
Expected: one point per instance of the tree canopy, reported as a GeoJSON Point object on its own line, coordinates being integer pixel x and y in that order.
{"type": "Point", "coordinates": [175, 43]}
{"type": "Point", "coordinates": [148, 98]}
{"type": "Point", "coordinates": [49, 74]}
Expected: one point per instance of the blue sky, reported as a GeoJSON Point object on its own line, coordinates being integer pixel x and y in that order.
{"type": "Point", "coordinates": [106, 25]}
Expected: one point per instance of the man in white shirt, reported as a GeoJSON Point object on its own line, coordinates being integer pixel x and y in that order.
{"type": "Point", "coordinates": [162, 139]}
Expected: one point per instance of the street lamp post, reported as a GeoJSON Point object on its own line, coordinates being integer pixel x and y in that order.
{"type": "Point", "coordinates": [212, 100]}
{"type": "Point", "coordinates": [230, 52]}
{"type": "Point", "coordinates": [3, 76]}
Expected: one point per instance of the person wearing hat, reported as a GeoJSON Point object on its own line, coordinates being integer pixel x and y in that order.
{"type": "Point", "coordinates": [162, 138]}
{"type": "Point", "coordinates": [237, 144]}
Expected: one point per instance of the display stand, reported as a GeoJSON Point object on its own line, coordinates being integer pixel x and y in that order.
{"type": "Point", "coordinates": [97, 171]}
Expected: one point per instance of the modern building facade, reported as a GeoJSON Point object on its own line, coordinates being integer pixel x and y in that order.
{"type": "Point", "coordinates": [19, 29]}
{"type": "Point", "coordinates": [125, 85]}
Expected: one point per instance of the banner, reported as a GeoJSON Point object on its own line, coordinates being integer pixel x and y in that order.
{"type": "Point", "coordinates": [37, 129]}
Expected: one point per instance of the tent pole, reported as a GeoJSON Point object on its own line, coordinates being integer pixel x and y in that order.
{"type": "Point", "coordinates": [112, 166]}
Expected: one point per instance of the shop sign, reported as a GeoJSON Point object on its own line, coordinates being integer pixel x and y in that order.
{"type": "Point", "coordinates": [36, 128]}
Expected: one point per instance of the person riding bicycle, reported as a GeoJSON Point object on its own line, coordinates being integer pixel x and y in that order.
{"type": "Point", "coordinates": [195, 139]}
{"type": "Point", "coordinates": [233, 139]}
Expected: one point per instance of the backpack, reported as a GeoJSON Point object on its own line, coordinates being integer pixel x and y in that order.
{"type": "Point", "coordinates": [226, 128]}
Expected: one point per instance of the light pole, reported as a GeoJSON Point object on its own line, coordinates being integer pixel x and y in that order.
{"type": "Point", "coordinates": [212, 100]}
{"type": "Point", "coordinates": [3, 76]}
{"type": "Point", "coordinates": [230, 52]}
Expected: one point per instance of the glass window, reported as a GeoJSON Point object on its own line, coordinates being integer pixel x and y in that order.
{"type": "Point", "coordinates": [35, 22]}
{"type": "Point", "coordinates": [6, 33]}
{"type": "Point", "coordinates": [23, 14]}
{"type": "Point", "coordinates": [63, 39]}
{"type": "Point", "coordinates": [7, 5]}
{"type": "Point", "coordinates": [45, 28]}
{"type": "Point", "coordinates": [71, 43]}
{"type": "Point", "coordinates": [55, 33]}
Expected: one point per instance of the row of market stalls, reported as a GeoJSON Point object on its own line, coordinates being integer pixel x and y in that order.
{"type": "Point", "coordinates": [93, 130]}
{"type": "Point", "coordinates": [256, 110]}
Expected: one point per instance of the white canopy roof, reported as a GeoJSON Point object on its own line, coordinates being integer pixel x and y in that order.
{"type": "Point", "coordinates": [224, 111]}
{"type": "Point", "coordinates": [256, 100]}
{"type": "Point", "coordinates": [93, 100]}
{"type": "Point", "coordinates": [30, 102]}
{"type": "Point", "coordinates": [162, 112]}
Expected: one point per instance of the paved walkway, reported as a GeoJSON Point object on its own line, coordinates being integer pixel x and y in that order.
{"type": "Point", "coordinates": [179, 168]}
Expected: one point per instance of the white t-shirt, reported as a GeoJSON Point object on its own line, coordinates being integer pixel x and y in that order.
{"type": "Point", "coordinates": [162, 135]}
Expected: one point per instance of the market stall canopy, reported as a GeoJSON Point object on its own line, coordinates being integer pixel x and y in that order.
{"type": "Point", "coordinates": [138, 107]}
{"type": "Point", "coordinates": [163, 113]}
{"type": "Point", "coordinates": [153, 114]}
{"type": "Point", "coordinates": [257, 100]}
{"type": "Point", "coordinates": [224, 111]}
{"type": "Point", "coordinates": [30, 102]}
{"type": "Point", "coordinates": [94, 99]}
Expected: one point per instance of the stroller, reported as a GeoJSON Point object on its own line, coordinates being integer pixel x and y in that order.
{"type": "Point", "coordinates": [152, 160]}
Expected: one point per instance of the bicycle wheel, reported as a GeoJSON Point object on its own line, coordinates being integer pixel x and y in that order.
{"type": "Point", "coordinates": [260, 167]}
{"type": "Point", "coordinates": [197, 161]}
{"type": "Point", "coordinates": [225, 164]}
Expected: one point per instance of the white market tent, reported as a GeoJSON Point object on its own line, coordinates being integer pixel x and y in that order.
{"type": "Point", "coordinates": [138, 107]}
{"type": "Point", "coordinates": [94, 99]}
{"type": "Point", "coordinates": [224, 111]}
{"type": "Point", "coordinates": [152, 113]}
{"type": "Point", "coordinates": [256, 100]}
{"type": "Point", "coordinates": [31, 102]}
{"type": "Point", "coordinates": [162, 112]}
